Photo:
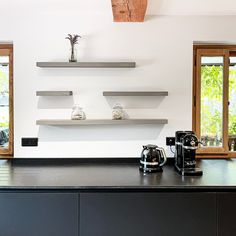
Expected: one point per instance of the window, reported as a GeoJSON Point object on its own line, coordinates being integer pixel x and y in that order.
{"type": "Point", "coordinates": [6, 99]}
{"type": "Point", "coordinates": [214, 99]}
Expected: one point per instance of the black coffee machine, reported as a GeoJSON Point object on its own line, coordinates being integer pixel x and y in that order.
{"type": "Point", "coordinates": [186, 144]}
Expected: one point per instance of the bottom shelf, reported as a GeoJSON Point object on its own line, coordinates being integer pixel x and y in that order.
{"type": "Point", "coordinates": [102, 122]}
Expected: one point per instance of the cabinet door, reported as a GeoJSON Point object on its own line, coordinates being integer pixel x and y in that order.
{"type": "Point", "coordinates": [138, 214]}
{"type": "Point", "coordinates": [38, 214]}
{"type": "Point", "coordinates": [226, 214]}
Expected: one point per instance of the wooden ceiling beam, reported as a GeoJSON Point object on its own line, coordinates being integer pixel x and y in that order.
{"type": "Point", "coordinates": [129, 10]}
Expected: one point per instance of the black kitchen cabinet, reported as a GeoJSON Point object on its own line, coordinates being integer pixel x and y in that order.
{"type": "Point", "coordinates": [138, 214]}
{"type": "Point", "coordinates": [38, 214]}
{"type": "Point", "coordinates": [226, 214]}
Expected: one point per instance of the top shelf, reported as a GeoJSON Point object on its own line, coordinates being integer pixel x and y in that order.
{"type": "Point", "coordinates": [86, 64]}
{"type": "Point", "coordinates": [54, 93]}
{"type": "Point", "coordinates": [135, 93]}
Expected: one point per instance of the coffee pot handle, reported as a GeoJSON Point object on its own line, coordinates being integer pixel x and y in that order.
{"type": "Point", "coordinates": [163, 154]}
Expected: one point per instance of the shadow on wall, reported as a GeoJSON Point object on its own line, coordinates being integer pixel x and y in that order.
{"type": "Point", "coordinates": [126, 102]}
{"type": "Point", "coordinates": [79, 72]}
{"type": "Point", "coordinates": [55, 102]}
{"type": "Point", "coordinates": [98, 133]}
{"type": "Point", "coordinates": [154, 7]}
{"type": "Point", "coordinates": [135, 102]}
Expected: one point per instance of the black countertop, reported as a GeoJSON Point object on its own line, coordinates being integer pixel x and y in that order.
{"type": "Point", "coordinates": [111, 175]}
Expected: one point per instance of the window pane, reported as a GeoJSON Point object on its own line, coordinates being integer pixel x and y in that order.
{"type": "Point", "coordinates": [4, 59]}
{"type": "Point", "coordinates": [212, 101]}
{"type": "Point", "coordinates": [4, 102]}
{"type": "Point", "coordinates": [232, 106]}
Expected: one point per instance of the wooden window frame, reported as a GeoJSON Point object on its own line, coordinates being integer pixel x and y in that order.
{"type": "Point", "coordinates": [198, 52]}
{"type": "Point", "coordinates": [7, 50]}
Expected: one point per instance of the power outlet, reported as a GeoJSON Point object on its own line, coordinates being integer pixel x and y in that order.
{"type": "Point", "coordinates": [170, 141]}
{"type": "Point", "coordinates": [29, 142]}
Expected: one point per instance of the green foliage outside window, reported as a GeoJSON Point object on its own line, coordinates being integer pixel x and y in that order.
{"type": "Point", "coordinates": [3, 82]}
{"type": "Point", "coordinates": [212, 100]}
{"type": "Point", "coordinates": [4, 123]}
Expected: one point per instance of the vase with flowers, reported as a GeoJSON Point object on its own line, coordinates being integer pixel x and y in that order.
{"type": "Point", "coordinates": [73, 41]}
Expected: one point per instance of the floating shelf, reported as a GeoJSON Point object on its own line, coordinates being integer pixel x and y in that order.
{"type": "Point", "coordinates": [54, 93]}
{"type": "Point", "coordinates": [102, 122]}
{"type": "Point", "coordinates": [135, 93]}
{"type": "Point", "coordinates": [86, 64]}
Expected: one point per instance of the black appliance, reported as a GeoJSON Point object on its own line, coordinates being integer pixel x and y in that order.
{"type": "Point", "coordinates": [152, 159]}
{"type": "Point", "coordinates": [186, 144]}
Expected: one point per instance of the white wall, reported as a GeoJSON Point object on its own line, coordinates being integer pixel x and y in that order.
{"type": "Point", "coordinates": [155, 7]}
{"type": "Point", "coordinates": [192, 7]}
{"type": "Point", "coordinates": [161, 46]}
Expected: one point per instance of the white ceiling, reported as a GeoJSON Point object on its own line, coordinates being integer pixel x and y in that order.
{"type": "Point", "coordinates": [156, 7]}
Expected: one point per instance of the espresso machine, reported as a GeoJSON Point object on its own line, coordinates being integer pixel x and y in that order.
{"type": "Point", "coordinates": [186, 144]}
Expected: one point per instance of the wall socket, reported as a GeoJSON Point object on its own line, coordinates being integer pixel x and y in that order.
{"type": "Point", "coordinates": [170, 141]}
{"type": "Point", "coordinates": [29, 142]}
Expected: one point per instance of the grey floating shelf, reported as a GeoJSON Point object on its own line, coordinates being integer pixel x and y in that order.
{"type": "Point", "coordinates": [86, 64]}
{"type": "Point", "coordinates": [102, 122]}
{"type": "Point", "coordinates": [54, 93]}
{"type": "Point", "coordinates": [135, 93]}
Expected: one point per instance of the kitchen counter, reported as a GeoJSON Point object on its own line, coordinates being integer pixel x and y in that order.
{"type": "Point", "coordinates": [104, 197]}
{"type": "Point", "coordinates": [111, 174]}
